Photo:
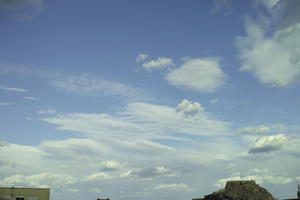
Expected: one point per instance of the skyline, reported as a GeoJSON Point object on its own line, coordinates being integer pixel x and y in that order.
{"type": "Point", "coordinates": [149, 99]}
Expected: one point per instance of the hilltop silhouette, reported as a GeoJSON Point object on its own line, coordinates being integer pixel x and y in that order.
{"type": "Point", "coordinates": [240, 190]}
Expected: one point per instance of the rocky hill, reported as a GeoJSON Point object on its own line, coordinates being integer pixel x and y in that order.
{"type": "Point", "coordinates": [240, 190]}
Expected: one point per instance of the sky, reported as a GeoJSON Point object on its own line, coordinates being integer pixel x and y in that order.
{"type": "Point", "coordinates": [149, 99]}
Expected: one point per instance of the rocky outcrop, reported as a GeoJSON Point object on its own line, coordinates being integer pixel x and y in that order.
{"type": "Point", "coordinates": [240, 190]}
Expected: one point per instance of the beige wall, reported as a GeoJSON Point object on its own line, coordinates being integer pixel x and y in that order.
{"type": "Point", "coordinates": [27, 193]}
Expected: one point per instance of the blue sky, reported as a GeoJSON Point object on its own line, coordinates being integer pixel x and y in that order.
{"type": "Point", "coordinates": [149, 99]}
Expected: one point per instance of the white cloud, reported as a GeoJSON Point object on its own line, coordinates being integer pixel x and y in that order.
{"type": "Point", "coordinates": [162, 170]}
{"type": "Point", "coordinates": [6, 162]}
{"type": "Point", "coordinates": [147, 170]}
{"type": "Point", "coordinates": [269, 143]}
{"type": "Point", "coordinates": [141, 57]}
{"type": "Point", "coordinates": [222, 156]}
{"type": "Point", "coordinates": [91, 86]}
{"type": "Point", "coordinates": [52, 180]}
{"type": "Point", "coordinates": [231, 166]}
{"type": "Point", "coordinates": [141, 131]}
{"type": "Point", "coordinates": [72, 148]}
{"type": "Point", "coordinates": [6, 104]}
{"type": "Point", "coordinates": [148, 173]}
{"type": "Point", "coordinates": [254, 130]}
{"type": "Point", "coordinates": [189, 108]}
{"type": "Point", "coordinates": [98, 177]}
{"type": "Point", "coordinates": [31, 98]}
{"type": "Point", "coordinates": [140, 119]}
{"type": "Point", "coordinates": [153, 172]}
{"type": "Point", "coordinates": [258, 171]}
{"type": "Point", "coordinates": [140, 146]}
{"type": "Point", "coordinates": [92, 123]}
{"type": "Point", "coordinates": [165, 118]}
{"type": "Point", "coordinates": [48, 111]}
{"type": "Point", "coordinates": [19, 155]}
{"type": "Point", "coordinates": [272, 56]}
{"type": "Point", "coordinates": [293, 147]}
{"type": "Point", "coordinates": [127, 174]}
{"type": "Point", "coordinates": [110, 165]}
{"type": "Point", "coordinates": [12, 89]}
{"type": "Point", "coordinates": [112, 132]}
{"type": "Point", "coordinates": [159, 63]}
{"type": "Point", "coordinates": [175, 187]}
{"type": "Point", "coordinates": [200, 74]}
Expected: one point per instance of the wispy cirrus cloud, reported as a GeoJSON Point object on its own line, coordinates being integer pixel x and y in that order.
{"type": "Point", "coordinates": [72, 148]}
{"type": "Point", "coordinates": [32, 98]}
{"type": "Point", "coordinates": [254, 130]}
{"type": "Point", "coordinates": [98, 176]}
{"type": "Point", "coordinates": [89, 85]}
{"type": "Point", "coordinates": [149, 172]}
{"type": "Point", "coordinates": [6, 103]}
{"type": "Point", "coordinates": [139, 129]}
{"type": "Point", "coordinates": [83, 84]}
{"type": "Point", "coordinates": [12, 89]}
{"type": "Point", "coordinates": [176, 187]}
{"type": "Point", "coordinates": [47, 111]}
{"type": "Point", "coordinates": [43, 180]}
{"type": "Point", "coordinates": [140, 118]}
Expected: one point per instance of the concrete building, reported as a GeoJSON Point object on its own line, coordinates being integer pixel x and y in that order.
{"type": "Point", "coordinates": [12, 193]}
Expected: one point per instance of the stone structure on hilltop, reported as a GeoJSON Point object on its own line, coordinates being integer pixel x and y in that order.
{"type": "Point", "coordinates": [240, 190]}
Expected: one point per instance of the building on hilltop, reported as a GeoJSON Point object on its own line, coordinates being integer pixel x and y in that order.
{"type": "Point", "coordinates": [12, 193]}
{"type": "Point", "coordinates": [237, 190]}
{"type": "Point", "coordinates": [246, 190]}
